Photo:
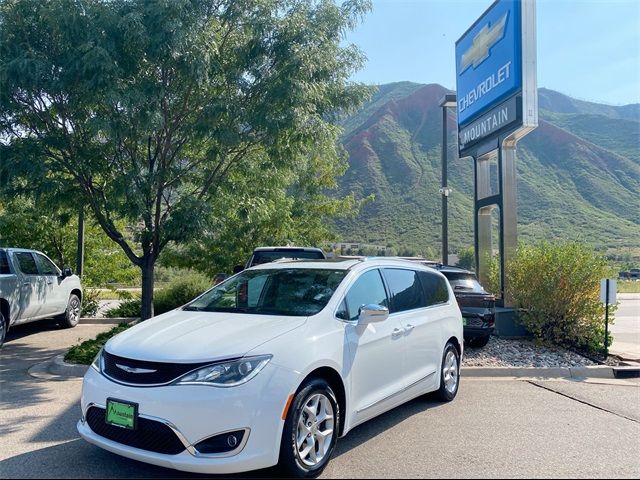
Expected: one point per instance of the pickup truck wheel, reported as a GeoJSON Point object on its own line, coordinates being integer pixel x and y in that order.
{"type": "Point", "coordinates": [71, 316]}
{"type": "Point", "coordinates": [3, 329]}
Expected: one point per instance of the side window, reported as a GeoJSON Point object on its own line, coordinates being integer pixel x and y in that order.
{"type": "Point", "coordinates": [46, 266]}
{"type": "Point", "coordinates": [367, 289]}
{"type": "Point", "coordinates": [435, 288]}
{"type": "Point", "coordinates": [406, 291]}
{"type": "Point", "coordinates": [27, 263]}
{"type": "Point", "coordinates": [4, 263]}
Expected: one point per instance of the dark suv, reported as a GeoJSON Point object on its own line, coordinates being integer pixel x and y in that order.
{"type": "Point", "coordinates": [477, 305]}
{"type": "Point", "coordinates": [269, 254]}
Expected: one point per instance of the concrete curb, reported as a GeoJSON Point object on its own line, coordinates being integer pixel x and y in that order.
{"type": "Point", "coordinates": [107, 321]}
{"type": "Point", "coordinates": [57, 369]}
{"type": "Point", "coordinates": [598, 371]}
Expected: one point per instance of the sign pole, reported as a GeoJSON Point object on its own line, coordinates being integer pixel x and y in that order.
{"type": "Point", "coordinates": [606, 323]}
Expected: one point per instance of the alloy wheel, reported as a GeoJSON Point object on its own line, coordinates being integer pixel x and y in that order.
{"type": "Point", "coordinates": [315, 430]}
{"type": "Point", "coordinates": [450, 372]}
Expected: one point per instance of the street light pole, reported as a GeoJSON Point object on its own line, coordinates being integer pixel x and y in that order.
{"type": "Point", "coordinates": [449, 100]}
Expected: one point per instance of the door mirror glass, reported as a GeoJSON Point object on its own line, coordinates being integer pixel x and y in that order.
{"type": "Point", "coordinates": [372, 312]}
{"type": "Point", "coordinates": [67, 272]}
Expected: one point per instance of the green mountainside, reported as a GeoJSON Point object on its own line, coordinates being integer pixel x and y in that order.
{"type": "Point", "coordinates": [578, 173]}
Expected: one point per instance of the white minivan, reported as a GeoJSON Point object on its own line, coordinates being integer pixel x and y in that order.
{"type": "Point", "coordinates": [273, 365]}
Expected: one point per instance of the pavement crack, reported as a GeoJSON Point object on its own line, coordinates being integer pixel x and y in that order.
{"type": "Point", "coordinates": [582, 401]}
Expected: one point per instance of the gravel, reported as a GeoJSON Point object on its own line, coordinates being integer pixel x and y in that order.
{"type": "Point", "coordinates": [501, 352]}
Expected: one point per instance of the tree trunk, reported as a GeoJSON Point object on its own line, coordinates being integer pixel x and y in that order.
{"type": "Point", "coordinates": [147, 267]}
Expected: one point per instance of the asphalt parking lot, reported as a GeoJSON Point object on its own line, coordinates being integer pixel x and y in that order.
{"type": "Point", "coordinates": [495, 427]}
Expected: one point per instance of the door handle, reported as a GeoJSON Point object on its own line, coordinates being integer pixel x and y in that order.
{"type": "Point", "coordinates": [409, 328]}
{"type": "Point", "coordinates": [49, 282]}
{"type": "Point", "coordinates": [397, 332]}
{"type": "Point", "coordinates": [26, 283]}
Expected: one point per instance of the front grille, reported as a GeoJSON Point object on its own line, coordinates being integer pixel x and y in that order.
{"type": "Point", "coordinates": [161, 372]}
{"type": "Point", "coordinates": [149, 434]}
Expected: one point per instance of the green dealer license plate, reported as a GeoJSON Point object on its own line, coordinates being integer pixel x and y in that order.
{"type": "Point", "coordinates": [464, 322]}
{"type": "Point", "coordinates": [121, 414]}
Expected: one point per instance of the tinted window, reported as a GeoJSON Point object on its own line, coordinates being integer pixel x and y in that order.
{"type": "Point", "coordinates": [464, 282]}
{"type": "Point", "coordinates": [366, 290]}
{"type": "Point", "coordinates": [4, 263]}
{"type": "Point", "coordinates": [27, 263]}
{"type": "Point", "coordinates": [46, 266]}
{"type": "Point", "coordinates": [406, 291]}
{"type": "Point", "coordinates": [434, 287]}
{"type": "Point", "coordinates": [291, 291]}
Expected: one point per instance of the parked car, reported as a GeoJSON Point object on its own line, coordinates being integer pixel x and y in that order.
{"type": "Point", "coordinates": [32, 288]}
{"type": "Point", "coordinates": [273, 365]}
{"type": "Point", "coordinates": [477, 305]}
{"type": "Point", "coordinates": [269, 254]}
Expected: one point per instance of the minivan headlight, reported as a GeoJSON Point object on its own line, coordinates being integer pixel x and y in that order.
{"type": "Point", "coordinates": [226, 374]}
{"type": "Point", "coordinates": [97, 362]}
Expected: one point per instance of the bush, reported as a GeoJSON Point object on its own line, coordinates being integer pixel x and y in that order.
{"type": "Point", "coordinates": [180, 290]}
{"type": "Point", "coordinates": [557, 286]}
{"type": "Point", "coordinates": [85, 352]}
{"type": "Point", "coordinates": [90, 302]}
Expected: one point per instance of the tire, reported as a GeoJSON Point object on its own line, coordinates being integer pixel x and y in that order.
{"type": "Point", "coordinates": [449, 374]}
{"type": "Point", "coordinates": [479, 342]}
{"type": "Point", "coordinates": [71, 316]}
{"type": "Point", "coordinates": [3, 329]}
{"type": "Point", "coordinates": [294, 462]}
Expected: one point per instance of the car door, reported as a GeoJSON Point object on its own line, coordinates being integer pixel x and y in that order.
{"type": "Point", "coordinates": [31, 290]}
{"type": "Point", "coordinates": [376, 349]}
{"type": "Point", "coordinates": [409, 306]}
{"type": "Point", "coordinates": [55, 293]}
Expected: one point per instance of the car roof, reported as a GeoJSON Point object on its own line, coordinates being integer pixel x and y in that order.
{"type": "Point", "coordinates": [452, 269]}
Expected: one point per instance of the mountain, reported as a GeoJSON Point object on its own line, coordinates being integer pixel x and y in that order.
{"type": "Point", "coordinates": [578, 173]}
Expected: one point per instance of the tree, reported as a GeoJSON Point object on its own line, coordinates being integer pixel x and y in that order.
{"type": "Point", "coordinates": [150, 108]}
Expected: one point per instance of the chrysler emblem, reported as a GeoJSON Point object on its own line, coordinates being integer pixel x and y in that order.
{"type": "Point", "coordinates": [134, 370]}
{"type": "Point", "coordinates": [482, 43]}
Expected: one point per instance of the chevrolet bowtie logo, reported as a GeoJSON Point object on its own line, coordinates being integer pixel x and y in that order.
{"type": "Point", "coordinates": [482, 43]}
{"type": "Point", "coordinates": [129, 369]}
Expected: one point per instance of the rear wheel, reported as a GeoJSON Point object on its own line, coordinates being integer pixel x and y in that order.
{"type": "Point", "coordinates": [310, 431]}
{"type": "Point", "coordinates": [3, 329]}
{"type": "Point", "coordinates": [479, 342]}
{"type": "Point", "coordinates": [71, 316]}
{"type": "Point", "coordinates": [449, 374]}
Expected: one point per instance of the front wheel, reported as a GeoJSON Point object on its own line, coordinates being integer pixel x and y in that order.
{"type": "Point", "coordinates": [71, 316]}
{"type": "Point", "coordinates": [310, 431]}
{"type": "Point", "coordinates": [449, 374]}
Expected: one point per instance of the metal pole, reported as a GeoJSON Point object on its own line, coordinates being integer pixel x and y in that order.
{"type": "Point", "coordinates": [445, 219]}
{"type": "Point", "coordinates": [80, 251]}
{"type": "Point", "coordinates": [606, 323]}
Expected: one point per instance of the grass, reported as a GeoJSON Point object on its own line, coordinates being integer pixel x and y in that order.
{"type": "Point", "coordinates": [85, 352]}
{"type": "Point", "coordinates": [628, 286]}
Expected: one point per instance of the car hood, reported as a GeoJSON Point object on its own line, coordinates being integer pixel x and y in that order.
{"type": "Point", "coordinates": [192, 337]}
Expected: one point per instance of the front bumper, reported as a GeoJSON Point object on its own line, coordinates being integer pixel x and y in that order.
{"type": "Point", "coordinates": [195, 412]}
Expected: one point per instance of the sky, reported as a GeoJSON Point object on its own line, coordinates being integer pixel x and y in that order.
{"type": "Point", "coordinates": [588, 49]}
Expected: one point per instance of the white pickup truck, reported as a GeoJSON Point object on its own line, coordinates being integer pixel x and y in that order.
{"type": "Point", "coordinates": [32, 288]}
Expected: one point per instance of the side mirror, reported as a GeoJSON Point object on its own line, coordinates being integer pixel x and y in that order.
{"type": "Point", "coordinates": [67, 272]}
{"type": "Point", "coordinates": [372, 313]}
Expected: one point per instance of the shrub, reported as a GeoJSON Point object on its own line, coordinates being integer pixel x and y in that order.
{"type": "Point", "coordinates": [90, 302]}
{"type": "Point", "coordinates": [129, 308]}
{"type": "Point", "coordinates": [557, 286]}
{"type": "Point", "coordinates": [85, 352]}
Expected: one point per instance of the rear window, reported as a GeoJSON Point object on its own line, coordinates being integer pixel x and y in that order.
{"type": "Point", "coordinates": [464, 282]}
{"type": "Point", "coordinates": [269, 256]}
{"type": "Point", "coordinates": [27, 263]}
{"type": "Point", "coordinates": [4, 263]}
{"type": "Point", "coordinates": [434, 287]}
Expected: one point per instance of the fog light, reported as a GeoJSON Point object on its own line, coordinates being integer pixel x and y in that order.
{"type": "Point", "coordinates": [223, 443]}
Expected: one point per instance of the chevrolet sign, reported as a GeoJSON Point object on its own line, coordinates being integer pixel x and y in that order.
{"type": "Point", "coordinates": [488, 60]}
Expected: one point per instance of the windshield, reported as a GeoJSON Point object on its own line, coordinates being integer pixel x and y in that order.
{"type": "Point", "coordinates": [291, 291]}
{"type": "Point", "coordinates": [464, 282]}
